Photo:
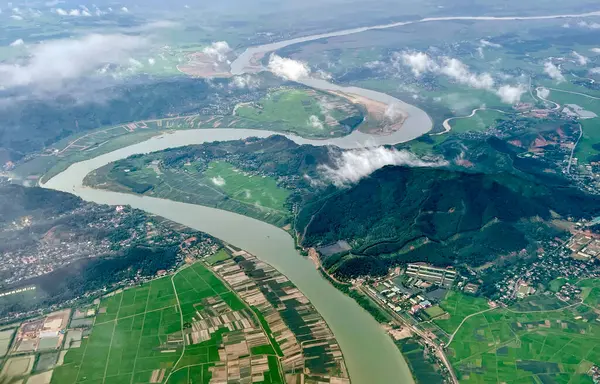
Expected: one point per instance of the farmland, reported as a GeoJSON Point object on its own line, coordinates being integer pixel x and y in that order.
{"type": "Point", "coordinates": [458, 307]}
{"type": "Point", "coordinates": [222, 317]}
{"type": "Point", "coordinates": [480, 121]}
{"type": "Point", "coordinates": [137, 335]}
{"type": "Point", "coordinates": [537, 341]}
{"type": "Point", "coordinates": [307, 113]}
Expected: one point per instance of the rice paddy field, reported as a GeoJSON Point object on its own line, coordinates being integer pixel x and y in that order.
{"type": "Point", "coordinates": [459, 306]}
{"type": "Point", "coordinates": [536, 341]}
{"type": "Point", "coordinates": [138, 335]}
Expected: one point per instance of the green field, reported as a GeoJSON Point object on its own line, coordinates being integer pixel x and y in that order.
{"type": "Point", "coordinates": [305, 112]}
{"type": "Point", "coordinates": [221, 255]}
{"type": "Point", "coordinates": [535, 347]}
{"type": "Point", "coordinates": [481, 121]}
{"type": "Point", "coordinates": [220, 185]}
{"type": "Point", "coordinates": [539, 340]}
{"type": "Point", "coordinates": [434, 311]}
{"type": "Point", "coordinates": [139, 331]}
{"type": "Point", "coordinates": [251, 189]}
{"type": "Point", "coordinates": [590, 292]}
{"type": "Point", "coordinates": [459, 306]}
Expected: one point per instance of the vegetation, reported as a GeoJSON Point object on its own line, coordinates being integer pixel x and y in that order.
{"type": "Point", "coordinates": [423, 370]}
{"type": "Point", "coordinates": [139, 331]}
{"type": "Point", "coordinates": [307, 113]}
{"type": "Point", "coordinates": [458, 306]}
{"type": "Point", "coordinates": [440, 216]}
{"type": "Point", "coordinates": [98, 247]}
{"type": "Point", "coordinates": [31, 125]}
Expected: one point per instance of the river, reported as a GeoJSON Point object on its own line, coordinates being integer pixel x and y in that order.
{"type": "Point", "coordinates": [370, 355]}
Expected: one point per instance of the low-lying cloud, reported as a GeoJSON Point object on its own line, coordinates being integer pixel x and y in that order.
{"type": "Point", "coordinates": [288, 69]}
{"type": "Point", "coordinates": [218, 181]}
{"type": "Point", "coordinates": [245, 82]}
{"type": "Point", "coordinates": [553, 72]}
{"type": "Point", "coordinates": [421, 63]}
{"type": "Point", "coordinates": [315, 122]}
{"type": "Point", "coordinates": [54, 62]}
{"type": "Point", "coordinates": [394, 112]}
{"type": "Point", "coordinates": [352, 166]}
{"type": "Point", "coordinates": [580, 59]}
{"type": "Point", "coordinates": [218, 51]}
{"type": "Point", "coordinates": [510, 94]}
{"type": "Point", "coordinates": [585, 24]}
{"type": "Point", "coordinates": [17, 43]}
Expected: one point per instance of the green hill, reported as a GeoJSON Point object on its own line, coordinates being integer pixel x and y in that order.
{"type": "Point", "coordinates": [441, 216]}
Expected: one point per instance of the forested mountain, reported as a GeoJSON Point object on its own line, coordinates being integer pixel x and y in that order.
{"type": "Point", "coordinates": [33, 124]}
{"type": "Point", "coordinates": [444, 217]}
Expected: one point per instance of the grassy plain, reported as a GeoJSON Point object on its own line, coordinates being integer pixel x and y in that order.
{"type": "Point", "coordinates": [482, 120]}
{"type": "Point", "coordinates": [305, 112]}
{"type": "Point", "coordinates": [258, 190]}
{"type": "Point", "coordinates": [220, 185]}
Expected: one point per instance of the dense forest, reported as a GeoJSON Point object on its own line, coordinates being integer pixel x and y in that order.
{"type": "Point", "coordinates": [16, 201]}
{"type": "Point", "coordinates": [444, 217]}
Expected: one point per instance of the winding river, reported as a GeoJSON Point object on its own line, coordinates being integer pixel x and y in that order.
{"type": "Point", "coordinates": [370, 355]}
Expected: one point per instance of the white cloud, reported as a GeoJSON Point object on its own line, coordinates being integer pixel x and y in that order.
{"type": "Point", "coordinates": [595, 71]}
{"type": "Point", "coordinates": [218, 181]}
{"type": "Point", "coordinates": [354, 165]}
{"type": "Point", "coordinates": [245, 81]}
{"type": "Point", "coordinates": [585, 24]}
{"type": "Point", "coordinates": [553, 71]}
{"type": "Point", "coordinates": [486, 43]}
{"type": "Point", "coordinates": [16, 17]}
{"type": "Point", "coordinates": [314, 122]}
{"type": "Point", "coordinates": [543, 92]}
{"type": "Point", "coordinates": [151, 61]}
{"type": "Point", "coordinates": [218, 51]}
{"type": "Point", "coordinates": [73, 12]}
{"type": "Point", "coordinates": [125, 9]}
{"type": "Point", "coordinates": [458, 71]}
{"type": "Point", "coordinates": [17, 43]}
{"type": "Point", "coordinates": [510, 94]}
{"type": "Point", "coordinates": [393, 112]}
{"type": "Point", "coordinates": [52, 63]}
{"type": "Point", "coordinates": [419, 63]}
{"type": "Point", "coordinates": [595, 50]}
{"type": "Point", "coordinates": [581, 60]}
{"type": "Point", "coordinates": [288, 69]}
